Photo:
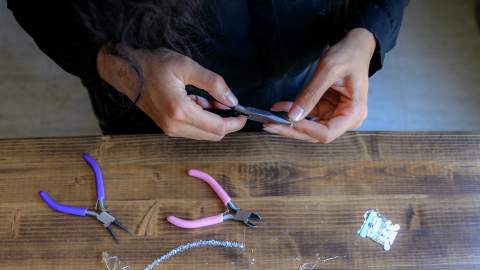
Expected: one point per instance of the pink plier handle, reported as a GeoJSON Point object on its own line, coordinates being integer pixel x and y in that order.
{"type": "Point", "coordinates": [203, 222]}
{"type": "Point", "coordinates": [212, 183]}
{"type": "Point", "coordinates": [196, 223]}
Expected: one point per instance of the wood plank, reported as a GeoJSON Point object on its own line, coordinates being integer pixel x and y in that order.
{"type": "Point", "coordinates": [312, 198]}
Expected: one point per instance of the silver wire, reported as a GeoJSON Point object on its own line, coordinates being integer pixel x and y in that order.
{"type": "Point", "coordinates": [190, 245]}
{"type": "Point", "coordinates": [113, 263]}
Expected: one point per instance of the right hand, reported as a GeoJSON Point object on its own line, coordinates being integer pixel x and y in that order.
{"type": "Point", "coordinates": [164, 97]}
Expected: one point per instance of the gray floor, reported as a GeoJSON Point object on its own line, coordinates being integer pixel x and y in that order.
{"type": "Point", "coordinates": [37, 97]}
{"type": "Point", "coordinates": [430, 80]}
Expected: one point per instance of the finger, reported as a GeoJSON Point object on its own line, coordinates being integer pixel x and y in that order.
{"type": "Point", "coordinates": [201, 101]}
{"type": "Point", "coordinates": [282, 106]}
{"type": "Point", "coordinates": [330, 130]}
{"type": "Point", "coordinates": [211, 82]}
{"type": "Point", "coordinates": [212, 122]}
{"type": "Point", "coordinates": [362, 119]}
{"type": "Point", "coordinates": [206, 104]}
{"type": "Point", "coordinates": [233, 124]}
{"type": "Point", "coordinates": [325, 76]}
{"type": "Point", "coordinates": [218, 105]}
{"type": "Point", "coordinates": [358, 125]}
{"type": "Point", "coordinates": [188, 131]}
{"type": "Point", "coordinates": [339, 85]}
{"type": "Point", "coordinates": [346, 116]}
{"type": "Point", "coordinates": [324, 109]}
{"type": "Point", "coordinates": [360, 99]}
{"type": "Point", "coordinates": [288, 131]}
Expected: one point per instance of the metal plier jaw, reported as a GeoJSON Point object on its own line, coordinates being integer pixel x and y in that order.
{"type": "Point", "coordinates": [108, 220]}
{"type": "Point", "coordinates": [233, 212]}
{"type": "Point", "coordinates": [101, 213]}
{"type": "Point", "coordinates": [261, 116]}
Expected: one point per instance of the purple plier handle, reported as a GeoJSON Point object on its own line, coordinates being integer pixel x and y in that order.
{"type": "Point", "coordinates": [67, 209]}
{"type": "Point", "coordinates": [98, 176]}
{"type": "Point", "coordinates": [74, 210]}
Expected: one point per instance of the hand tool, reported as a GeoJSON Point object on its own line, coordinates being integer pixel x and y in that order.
{"type": "Point", "coordinates": [253, 114]}
{"type": "Point", "coordinates": [233, 212]}
{"type": "Point", "coordinates": [101, 213]}
{"type": "Point", "coordinates": [261, 116]}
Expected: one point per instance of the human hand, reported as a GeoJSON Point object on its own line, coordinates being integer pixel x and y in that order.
{"type": "Point", "coordinates": [164, 97]}
{"type": "Point", "coordinates": [337, 94]}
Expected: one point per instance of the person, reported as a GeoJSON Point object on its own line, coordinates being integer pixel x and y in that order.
{"type": "Point", "coordinates": [177, 65]}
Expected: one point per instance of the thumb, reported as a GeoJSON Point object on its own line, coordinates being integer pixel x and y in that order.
{"type": "Point", "coordinates": [323, 78]}
{"type": "Point", "coordinates": [211, 82]}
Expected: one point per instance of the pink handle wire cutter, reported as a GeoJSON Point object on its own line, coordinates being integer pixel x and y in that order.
{"type": "Point", "coordinates": [233, 212]}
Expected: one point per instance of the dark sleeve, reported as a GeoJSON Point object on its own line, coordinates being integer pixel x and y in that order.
{"type": "Point", "coordinates": [56, 29]}
{"type": "Point", "coordinates": [383, 18]}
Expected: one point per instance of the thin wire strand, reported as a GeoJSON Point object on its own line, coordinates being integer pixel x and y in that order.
{"type": "Point", "coordinates": [113, 263]}
{"type": "Point", "coordinates": [312, 265]}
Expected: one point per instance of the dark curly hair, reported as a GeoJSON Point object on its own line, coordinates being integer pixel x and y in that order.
{"type": "Point", "coordinates": [118, 26]}
{"type": "Point", "coordinates": [121, 25]}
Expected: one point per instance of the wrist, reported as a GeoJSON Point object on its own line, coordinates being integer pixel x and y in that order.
{"type": "Point", "coordinates": [364, 39]}
{"type": "Point", "coordinates": [118, 73]}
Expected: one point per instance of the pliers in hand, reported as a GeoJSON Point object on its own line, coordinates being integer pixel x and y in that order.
{"type": "Point", "coordinates": [100, 213]}
{"type": "Point", "coordinates": [233, 211]}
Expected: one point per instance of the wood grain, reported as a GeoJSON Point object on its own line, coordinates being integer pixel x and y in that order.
{"type": "Point", "coordinates": [312, 198]}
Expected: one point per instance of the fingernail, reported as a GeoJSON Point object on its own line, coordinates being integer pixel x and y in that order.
{"type": "Point", "coordinates": [340, 83]}
{"type": "Point", "coordinates": [231, 98]}
{"type": "Point", "coordinates": [203, 102]}
{"type": "Point", "coordinates": [274, 110]}
{"type": "Point", "coordinates": [270, 130]}
{"type": "Point", "coordinates": [296, 113]}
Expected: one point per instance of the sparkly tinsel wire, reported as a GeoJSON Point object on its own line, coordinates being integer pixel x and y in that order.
{"type": "Point", "coordinates": [190, 245]}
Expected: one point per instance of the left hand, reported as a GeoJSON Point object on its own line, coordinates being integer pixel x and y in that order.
{"type": "Point", "coordinates": [336, 95]}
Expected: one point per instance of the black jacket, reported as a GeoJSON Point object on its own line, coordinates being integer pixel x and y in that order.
{"type": "Point", "coordinates": [261, 39]}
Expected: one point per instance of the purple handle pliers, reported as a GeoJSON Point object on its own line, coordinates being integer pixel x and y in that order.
{"type": "Point", "coordinates": [101, 213]}
{"type": "Point", "coordinates": [233, 212]}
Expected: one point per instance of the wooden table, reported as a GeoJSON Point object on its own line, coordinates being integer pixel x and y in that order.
{"type": "Point", "coordinates": [312, 199]}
